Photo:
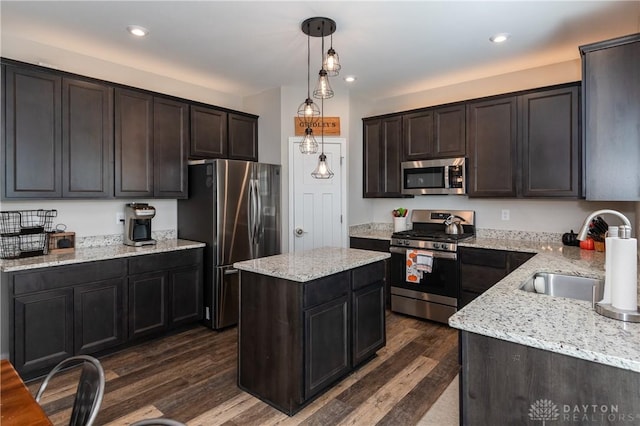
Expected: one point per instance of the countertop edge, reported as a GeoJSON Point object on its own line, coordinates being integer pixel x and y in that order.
{"type": "Point", "coordinates": [95, 254]}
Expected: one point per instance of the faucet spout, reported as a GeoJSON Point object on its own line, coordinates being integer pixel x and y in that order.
{"type": "Point", "coordinates": [582, 235]}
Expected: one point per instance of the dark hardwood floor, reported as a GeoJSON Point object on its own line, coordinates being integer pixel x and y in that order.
{"type": "Point", "coordinates": [191, 377]}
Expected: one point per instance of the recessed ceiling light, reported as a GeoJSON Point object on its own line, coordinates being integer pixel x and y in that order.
{"type": "Point", "coordinates": [350, 78]}
{"type": "Point", "coordinates": [137, 30]}
{"type": "Point", "coordinates": [500, 38]}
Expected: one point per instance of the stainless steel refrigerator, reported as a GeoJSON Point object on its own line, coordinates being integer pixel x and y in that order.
{"type": "Point", "coordinates": [233, 207]}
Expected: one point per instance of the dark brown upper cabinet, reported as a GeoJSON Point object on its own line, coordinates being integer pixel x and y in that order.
{"type": "Point", "coordinates": [611, 118]}
{"type": "Point", "coordinates": [87, 139]}
{"type": "Point", "coordinates": [151, 143]}
{"type": "Point", "coordinates": [33, 134]}
{"type": "Point", "coordinates": [170, 146]}
{"type": "Point", "coordinates": [550, 143]}
{"type": "Point", "coordinates": [58, 136]}
{"type": "Point", "coordinates": [434, 133]}
{"type": "Point", "coordinates": [382, 146]}
{"type": "Point", "coordinates": [526, 145]}
{"type": "Point", "coordinates": [134, 143]}
{"type": "Point", "coordinates": [208, 133]}
{"type": "Point", "coordinates": [243, 137]}
{"type": "Point", "coordinates": [491, 145]}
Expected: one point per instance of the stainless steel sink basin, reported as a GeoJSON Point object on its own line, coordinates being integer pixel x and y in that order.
{"type": "Point", "coordinates": [581, 288]}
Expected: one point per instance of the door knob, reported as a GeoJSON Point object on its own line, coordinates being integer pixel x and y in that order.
{"type": "Point", "coordinates": [298, 232]}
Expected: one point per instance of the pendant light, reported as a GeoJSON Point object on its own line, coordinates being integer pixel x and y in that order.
{"type": "Point", "coordinates": [308, 111]}
{"type": "Point", "coordinates": [332, 61]}
{"type": "Point", "coordinates": [319, 27]}
{"type": "Point", "coordinates": [322, 170]}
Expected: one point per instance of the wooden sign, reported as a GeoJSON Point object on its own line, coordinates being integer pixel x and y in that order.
{"type": "Point", "coordinates": [331, 127]}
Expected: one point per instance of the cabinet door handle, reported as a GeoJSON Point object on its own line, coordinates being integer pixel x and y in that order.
{"type": "Point", "coordinates": [231, 271]}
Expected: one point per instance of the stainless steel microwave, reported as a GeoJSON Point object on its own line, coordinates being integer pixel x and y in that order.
{"type": "Point", "coordinates": [441, 176]}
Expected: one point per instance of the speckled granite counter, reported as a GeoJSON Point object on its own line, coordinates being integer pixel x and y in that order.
{"type": "Point", "coordinates": [376, 231]}
{"type": "Point", "coordinates": [91, 254]}
{"type": "Point", "coordinates": [556, 324]}
{"type": "Point", "coordinates": [311, 264]}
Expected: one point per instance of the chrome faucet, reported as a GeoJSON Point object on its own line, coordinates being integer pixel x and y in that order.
{"type": "Point", "coordinates": [582, 235]}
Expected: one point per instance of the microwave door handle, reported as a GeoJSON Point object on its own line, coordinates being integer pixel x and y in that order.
{"type": "Point", "coordinates": [446, 177]}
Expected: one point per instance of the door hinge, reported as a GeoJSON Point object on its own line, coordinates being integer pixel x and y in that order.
{"type": "Point", "coordinates": [340, 218]}
{"type": "Point", "coordinates": [341, 160]}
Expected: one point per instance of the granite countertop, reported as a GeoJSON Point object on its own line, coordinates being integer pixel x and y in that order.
{"type": "Point", "coordinates": [311, 264]}
{"type": "Point", "coordinates": [375, 231]}
{"type": "Point", "coordinates": [91, 254]}
{"type": "Point", "coordinates": [556, 324]}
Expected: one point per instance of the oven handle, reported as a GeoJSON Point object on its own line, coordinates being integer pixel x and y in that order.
{"type": "Point", "coordinates": [436, 254]}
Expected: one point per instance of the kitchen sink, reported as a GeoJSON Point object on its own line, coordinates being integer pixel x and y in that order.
{"type": "Point", "coordinates": [573, 287]}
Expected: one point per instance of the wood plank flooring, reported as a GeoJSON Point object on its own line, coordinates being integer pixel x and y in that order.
{"type": "Point", "coordinates": [191, 377]}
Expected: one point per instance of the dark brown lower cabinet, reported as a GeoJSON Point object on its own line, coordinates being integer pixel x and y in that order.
{"type": "Point", "coordinates": [95, 307]}
{"type": "Point", "coordinates": [296, 339]}
{"type": "Point", "coordinates": [505, 383]}
{"type": "Point", "coordinates": [381, 246]}
{"type": "Point", "coordinates": [98, 316]}
{"type": "Point", "coordinates": [481, 268]}
{"type": "Point", "coordinates": [43, 329]}
{"type": "Point", "coordinates": [148, 310]}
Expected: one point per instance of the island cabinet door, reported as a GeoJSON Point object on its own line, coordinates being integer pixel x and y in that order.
{"type": "Point", "coordinates": [368, 314]}
{"type": "Point", "coordinates": [326, 344]}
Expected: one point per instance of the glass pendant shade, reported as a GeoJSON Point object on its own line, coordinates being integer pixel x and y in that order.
{"type": "Point", "coordinates": [309, 145]}
{"type": "Point", "coordinates": [322, 171]}
{"type": "Point", "coordinates": [309, 112]}
{"type": "Point", "coordinates": [332, 63]}
{"type": "Point", "coordinates": [323, 89]}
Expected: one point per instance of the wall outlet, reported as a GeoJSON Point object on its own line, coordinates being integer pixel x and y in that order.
{"type": "Point", "coordinates": [505, 214]}
{"type": "Point", "coordinates": [119, 218]}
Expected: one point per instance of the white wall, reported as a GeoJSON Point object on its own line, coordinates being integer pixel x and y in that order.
{"type": "Point", "coordinates": [525, 214]}
{"type": "Point", "coordinates": [98, 217]}
{"type": "Point", "coordinates": [267, 106]}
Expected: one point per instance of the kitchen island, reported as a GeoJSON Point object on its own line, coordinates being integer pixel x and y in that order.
{"type": "Point", "coordinates": [523, 350]}
{"type": "Point", "coordinates": [308, 319]}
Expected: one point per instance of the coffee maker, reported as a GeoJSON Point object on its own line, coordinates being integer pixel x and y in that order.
{"type": "Point", "coordinates": [137, 224]}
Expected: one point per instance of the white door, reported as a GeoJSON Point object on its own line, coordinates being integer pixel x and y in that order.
{"type": "Point", "coordinates": [318, 204]}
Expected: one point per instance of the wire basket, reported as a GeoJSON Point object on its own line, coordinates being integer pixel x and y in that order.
{"type": "Point", "coordinates": [23, 233]}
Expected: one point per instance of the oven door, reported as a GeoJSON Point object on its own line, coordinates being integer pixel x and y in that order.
{"type": "Point", "coordinates": [435, 296]}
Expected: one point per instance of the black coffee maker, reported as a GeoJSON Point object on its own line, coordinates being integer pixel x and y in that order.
{"type": "Point", "coordinates": [137, 224]}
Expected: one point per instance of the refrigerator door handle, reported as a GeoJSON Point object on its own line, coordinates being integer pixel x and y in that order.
{"type": "Point", "coordinates": [250, 218]}
{"type": "Point", "coordinates": [259, 225]}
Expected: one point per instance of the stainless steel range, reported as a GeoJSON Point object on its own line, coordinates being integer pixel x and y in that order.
{"type": "Point", "coordinates": [425, 277]}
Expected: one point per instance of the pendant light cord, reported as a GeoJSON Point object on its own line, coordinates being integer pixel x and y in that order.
{"type": "Point", "coordinates": [308, 61]}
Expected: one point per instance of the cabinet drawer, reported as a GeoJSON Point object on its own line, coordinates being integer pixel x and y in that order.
{"type": "Point", "coordinates": [368, 274]}
{"type": "Point", "coordinates": [369, 244]}
{"type": "Point", "coordinates": [65, 276]}
{"type": "Point", "coordinates": [483, 257]}
{"type": "Point", "coordinates": [325, 289]}
{"type": "Point", "coordinates": [163, 261]}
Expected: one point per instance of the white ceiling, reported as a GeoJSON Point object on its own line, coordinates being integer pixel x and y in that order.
{"type": "Point", "coordinates": [245, 47]}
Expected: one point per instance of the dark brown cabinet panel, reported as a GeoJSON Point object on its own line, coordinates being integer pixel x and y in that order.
{"type": "Point", "coordinates": [185, 295]}
{"type": "Point", "coordinates": [42, 329]}
{"type": "Point", "coordinates": [243, 137]}
{"type": "Point", "coordinates": [450, 131]}
{"type": "Point", "coordinates": [418, 135]}
{"type": "Point", "coordinates": [134, 144]}
{"type": "Point", "coordinates": [550, 143]}
{"type": "Point", "coordinates": [208, 133]}
{"type": "Point", "coordinates": [435, 133]}
{"type": "Point", "coordinates": [87, 139]}
{"type": "Point", "coordinates": [491, 145]}
{"type": "Point", "coordinates": [376, 245]}
{"type": "Point", "coordinates": [99, 321]}
{"type": "Point", "coordinates": [497, 374]}
{"type": "Point", "coordinates": [33, 134]}
{"type": "Point", "coordinates": [326, 345]}
{"type": "Point", "coordinates": [481, 269]}
{"type": "Point", "coordinates": [170, 145]}
{"type": "Point", "coordinates": [368, 321]}
{"type": "Point", "coordinates": [611, 118]}
{"type": "Point", "coordinates": [382, 157]}
{"type": "Point", "coordinates": [148, 304]}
